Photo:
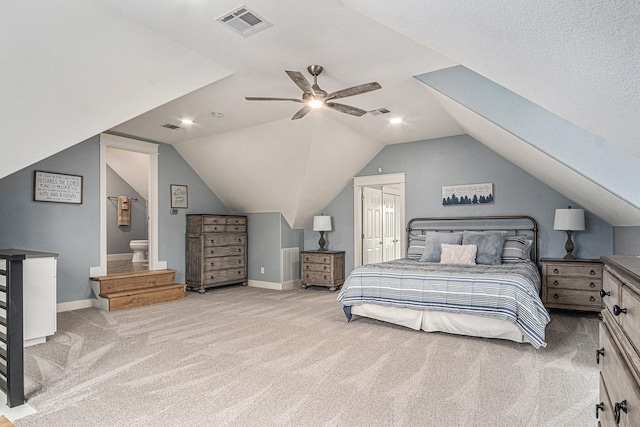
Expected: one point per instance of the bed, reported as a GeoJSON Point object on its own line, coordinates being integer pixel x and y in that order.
{"type": "Point", "coordinates": [497, 297]}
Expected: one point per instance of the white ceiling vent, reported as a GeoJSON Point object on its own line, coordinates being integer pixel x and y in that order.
{"type": "Point", "coordinates": [380, 111]}
{"type": "Point", "coordinates": [172, 127]}
{"type": "Point", "coordinates": [244, 21]}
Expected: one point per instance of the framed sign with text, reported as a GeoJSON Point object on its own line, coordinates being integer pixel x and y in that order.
{"type": "Point", "coordinates": [179, 196]}
{"type": "Point", "coordinates": [57, 187]}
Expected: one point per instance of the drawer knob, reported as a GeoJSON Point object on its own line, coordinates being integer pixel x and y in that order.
{"type": "Point", "coordinates": [239, 250]}
{"type": "Point", "coordinates": [325, 277]}
{"type": "Point", "coordinates": [619, 406]}
{"type": "Point", "coordinates": [307, 276]}
{"type": "Point", "coordinates": [556, 271]}
{"type": "Point", "coordinates": [617, 310]}
{"type": "Point", "coordinates": [212, 264]}
{"type": "Point", "coordinates": [599, 352]}
{"type": "Point", "coordinates": [324, 268]}
{"type": "Point", "coordinates": [592, 299]}
{"type": "Point", "coordinates": [555, 283]}
{"type": "Point", "coordinates": [325, 260]}
{"type": "Point", "coordinates": [212, 241]}
{"type": "Point", "coordinates": [592, 272]}
{"type": "Point", "coordinates": [556, 296]}
{"type": "Point", "coordinates": [306, 259]}
{"type": "Point", "coordinates": [604, 293]}
{"type": "Point", "coordinates": [211, 277]}
{"type": "Point", "coordinates": [306, 267]}
{"type": "Point", "coordinates": [239, 261]}
{"type": "Point", "coordinates": [592, 285]}
{"type": "Point", "coordinates": [599, 407]}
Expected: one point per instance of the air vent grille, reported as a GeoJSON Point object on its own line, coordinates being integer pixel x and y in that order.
{"type": "Point", "coordinates": [244, 21]}
{"type": "Point", "coordinates": [172, 127]}
{"type": "Point", "coordinates": [380, 111]}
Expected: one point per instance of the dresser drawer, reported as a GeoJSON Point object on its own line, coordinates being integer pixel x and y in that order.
{"type": "Point", "coordinates": [574, 270]}
{"type": "Point", "coordinates": [216, 251]}
{"type": "Point", "coordinates": [316, 277]}
{"type": "Point", "coordinates": [575, 298]}
{"type": "Point", "coordinates": [224, 239]}
{"type": "Point", "coordinates": [237, 220]}
{"type": "Point", "coordinates": [214, 228]}
{"type": "Point", "coordinates": [316, 258]}
{"type": "Point", "coordinates": [620, 384]}
{"type": "Point", "coordinates": [582, 283]}
{"type": "Point", "coordinates": [316, 267]}
{"type": "Point", "coordinates": [212, 277]}
{"type": "Point", "coordinates": [213, 220]}
{"type": "Point", "coordinates": [630, 301]}
{"type": "Point", "coordinates": [611, 286]}
{"type": "Point", "coordinates": [605, 415]}
{"type": "Point", "coordinates": [220, 263]}
{"type": "Point", "coordinates": [232, 228]}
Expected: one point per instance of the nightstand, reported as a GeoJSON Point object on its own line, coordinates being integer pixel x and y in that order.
{"type": "Point", "coordinates": [572, 284]}
{"type": "Point", "coordinates": [322, 268]}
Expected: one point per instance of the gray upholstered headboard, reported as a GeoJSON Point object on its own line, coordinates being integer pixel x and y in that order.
{"type": "Point", "coordinates": [514, 224]}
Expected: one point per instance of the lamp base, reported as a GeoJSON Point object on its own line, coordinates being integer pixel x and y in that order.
{"type": "Point", "coordinates": [321, 242]}
{"type": "Point", "coordinates": [569, 246]}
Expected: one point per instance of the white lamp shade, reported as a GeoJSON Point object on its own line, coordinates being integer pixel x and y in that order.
{"type": "Point", "coordinates": [322, 223]}
{"type": "Point", "coordinates": [569, 219]}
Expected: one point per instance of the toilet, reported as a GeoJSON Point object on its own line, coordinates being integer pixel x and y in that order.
{"type": "Point", "coordinates": [139, 248]}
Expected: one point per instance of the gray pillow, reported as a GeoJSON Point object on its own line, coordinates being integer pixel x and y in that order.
{"type": "Point", "coordinates": [433, 242]}
{"type": "Point", "coordinates": [490, 244]}
{"type": "Point", "coordinates": [416, 246]}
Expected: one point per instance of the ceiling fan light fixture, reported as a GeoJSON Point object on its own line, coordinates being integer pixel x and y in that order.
{"type": "Point", "coordinates": [396, 120]}
{"type": "Point", "coordinates": [315, 103]}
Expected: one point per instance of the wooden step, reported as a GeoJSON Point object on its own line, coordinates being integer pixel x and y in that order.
{"type": "Point", "coordinates": [135, 280]}
{"type": "Point", "coordinates": [121, 300]}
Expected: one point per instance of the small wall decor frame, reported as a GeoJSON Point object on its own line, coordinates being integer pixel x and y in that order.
{"type": "Point", "coordinates": [467, 194]}
{"type": "Point", "coordinates": [57, 187]}
{"type": "Point", "coordinates": [179, 196]}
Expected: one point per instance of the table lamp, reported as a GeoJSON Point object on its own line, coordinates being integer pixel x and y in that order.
{"type": "Point", "coordinates": [321, 223]}
{"type": "Point", "coordinates": [569, 220]}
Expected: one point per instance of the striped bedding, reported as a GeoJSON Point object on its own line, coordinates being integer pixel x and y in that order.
{"type": "Point", "coordinates": [505, 291]}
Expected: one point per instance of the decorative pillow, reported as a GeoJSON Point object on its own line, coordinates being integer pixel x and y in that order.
{"type": "Point", "coordinates": [489, 244]}
{"type": "Point", "coordinates": [432, 246]}
{"type": "Point", "coordinates": [527, 249]}
{"type": "Point", "coordinates": [515, 249]}
{"type": "Point", "coordinates": [416, 246]}
{"type": "Point", "coordinates": [458, 254]}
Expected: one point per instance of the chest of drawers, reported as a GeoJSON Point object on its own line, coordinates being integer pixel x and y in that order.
{"type": "Point", "coordinates": [322, 268]}
{"type": "Point", "coordinates": [619, 354]}
{"type": "Point", "coordinates": [572, 284]}
{"type": "Point", "coordinates": [216, 252]}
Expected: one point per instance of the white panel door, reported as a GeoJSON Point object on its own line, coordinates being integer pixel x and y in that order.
{"type": "Point", "coordinates": [389, 241]}
{"type": "Point", "coordinates": [371, 225]}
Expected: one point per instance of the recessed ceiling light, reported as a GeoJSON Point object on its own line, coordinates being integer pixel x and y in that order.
{"type": "Point", "coordinates": [186, 122]}
{"type": "Point", "coordinates": [217, 114]}
{"type": "Point", "coordinates": [396, 120]}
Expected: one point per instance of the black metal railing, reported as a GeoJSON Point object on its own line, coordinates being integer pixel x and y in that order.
{"type": "Point", "coordinates": [11, 340]}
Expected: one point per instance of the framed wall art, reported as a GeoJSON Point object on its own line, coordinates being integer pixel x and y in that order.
{"type": "Point", "coordinates": [57, 187]}
{"type": "Point", "coordinates": [179, 196]}
{"type": "Point", "coordinates": [467, 194]}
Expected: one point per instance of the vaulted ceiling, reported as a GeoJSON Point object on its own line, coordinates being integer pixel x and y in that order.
{"type": "Point", "coordinates": [131, 67]}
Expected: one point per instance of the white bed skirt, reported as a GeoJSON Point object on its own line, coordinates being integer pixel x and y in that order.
{"type": "Point", "coordinates": [440, 321]}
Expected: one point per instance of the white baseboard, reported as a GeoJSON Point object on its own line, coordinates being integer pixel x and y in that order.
{"type": "Point", "coordinates": [273, 285]}
{"type": "Point", "coordinates": [291, 284]}
{"type": "Point", "coordinates": [120, 257]}
{"type": "Point", "coordinates": [74, 305]}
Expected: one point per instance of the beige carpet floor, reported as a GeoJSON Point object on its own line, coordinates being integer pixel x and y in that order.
{"type": "Point", "coordinates": [255, 357]}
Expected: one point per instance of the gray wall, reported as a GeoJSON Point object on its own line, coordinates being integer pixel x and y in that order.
{"type": "Point", "coordinates": [263, 236]}
{"type": "Point", "coordinates": [119, 236]}
{"type": "Point", "coordinates": [626, 240]}
{"type": "Point", "coordinates": [428, 165]}
{"type": "Point", "coordinates": [73, 231]}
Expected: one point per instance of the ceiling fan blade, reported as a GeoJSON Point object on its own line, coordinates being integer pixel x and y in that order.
{"type": "Point", "coordinates": [301, 112]}
{"type": "Point", "coordinates": [301, 81]}
{"type": "Point", "coordinates": [346, 109]}
{"type": "Point", "coordinates": [355, 90]}
{"type": "Point", "coordinates": [260, 98]}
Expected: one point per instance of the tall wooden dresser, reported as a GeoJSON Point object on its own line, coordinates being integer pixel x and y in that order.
{"type": "Point", "coordinates": [216, 251]}
{"type": "Point", "coordinates": [619, 352]}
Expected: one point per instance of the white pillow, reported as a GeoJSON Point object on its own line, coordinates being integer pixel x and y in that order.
{"type": "Point", "coordinates": [458, 254]}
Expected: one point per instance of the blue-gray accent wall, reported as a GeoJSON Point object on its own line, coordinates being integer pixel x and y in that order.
{"type": "Point", "coordinates": [73, 231]}
{"type": "Point", "coordinates": [626, 240]}
{"type": "Point", "coordinates": [429, 165]}
{"type": "Point", "coordinates": [119, 236]}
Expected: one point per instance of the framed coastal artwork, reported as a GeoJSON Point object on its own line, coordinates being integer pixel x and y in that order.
{"type": "Point", "coordinates": [467, 194]}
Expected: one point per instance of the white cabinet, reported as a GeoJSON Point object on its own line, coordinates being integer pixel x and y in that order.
{"type": "Point", "coordinates": [39, 296]}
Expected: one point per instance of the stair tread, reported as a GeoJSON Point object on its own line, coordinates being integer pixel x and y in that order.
{"type": "Point", "coordinates": [117, 294]}
{"type": "Point", "coordinates": [132, 274]}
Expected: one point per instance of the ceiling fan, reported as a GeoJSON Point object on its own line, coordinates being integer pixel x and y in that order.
{"type": "Point", "coordinates": [314, 97]}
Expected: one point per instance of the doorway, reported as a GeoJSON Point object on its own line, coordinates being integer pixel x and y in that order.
{"type": "Point", "coordinates": [379, 218]}
{"type": "Point", "coordinates": [137, 146]}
